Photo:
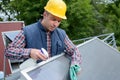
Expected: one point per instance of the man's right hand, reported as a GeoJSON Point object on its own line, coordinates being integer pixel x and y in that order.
{"type": "Point", "coordinates": [37, 54]}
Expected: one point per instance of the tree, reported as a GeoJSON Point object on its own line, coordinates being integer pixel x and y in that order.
{"type": "Point", "coordinates": [4, 8]}
{"type": "Point", "coordinates": [23, 10]}
{"type": "Point", "coordinates": [27, 10]}
{"type": "Point", "coordinates": [111, 19]}
{"type": "Point", "coordinates": [84, 18]}
{"type": "Point", "coordinates": [81, 20]}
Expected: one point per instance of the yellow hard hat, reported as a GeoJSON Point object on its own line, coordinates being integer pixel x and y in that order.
{"type": "Point", "coordinates": [57, 8]}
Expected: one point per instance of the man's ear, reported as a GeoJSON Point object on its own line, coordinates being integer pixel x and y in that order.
{"type": "Point", "coordinates": [44, 14]}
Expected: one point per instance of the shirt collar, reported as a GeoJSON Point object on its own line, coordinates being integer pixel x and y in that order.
{"type": "Point", "coordinates": [42, 27]}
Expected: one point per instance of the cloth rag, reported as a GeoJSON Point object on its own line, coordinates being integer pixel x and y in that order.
{"type": "Point", "coordinates": [73, 72]}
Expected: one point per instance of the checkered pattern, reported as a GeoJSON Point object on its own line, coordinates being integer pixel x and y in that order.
{"type": "Point", "coordinates": [16, 49]}
{"type": "Point", "coordinates": [48, 43]}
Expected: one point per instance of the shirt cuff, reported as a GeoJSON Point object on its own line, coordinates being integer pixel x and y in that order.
{"type": "Point", "coordinates": [27, 53]}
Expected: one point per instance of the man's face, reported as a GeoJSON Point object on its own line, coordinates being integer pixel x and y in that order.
{"type": "Point", "coordinates": [51, 22]}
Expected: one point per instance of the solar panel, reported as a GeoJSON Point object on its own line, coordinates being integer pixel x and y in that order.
{"type": "Point", "coordinates": [11, 34]}
{"type": "Point", "coordinates": [55, 68]}
{"type": "Point", "coordinates": [99, 62]}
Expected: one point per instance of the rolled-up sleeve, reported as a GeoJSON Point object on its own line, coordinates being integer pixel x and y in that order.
{"type": "Point", "coordinates": [73, 51]}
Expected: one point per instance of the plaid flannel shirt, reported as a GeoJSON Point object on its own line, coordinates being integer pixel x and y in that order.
{"type": "Point", "coordinates": [16, 50]}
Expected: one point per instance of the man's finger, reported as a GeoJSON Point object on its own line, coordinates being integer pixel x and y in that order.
{"type": "Point", "coordinates": [42, 56]}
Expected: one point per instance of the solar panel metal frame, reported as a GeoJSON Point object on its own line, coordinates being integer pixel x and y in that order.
{"type": "Point", "coordinates": [24, 72]}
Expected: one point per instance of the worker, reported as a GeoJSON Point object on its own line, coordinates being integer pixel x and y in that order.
{"type": "Point", "coordinates": [44, 34]}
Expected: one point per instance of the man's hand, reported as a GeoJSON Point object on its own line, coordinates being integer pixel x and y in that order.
{"type": "Point", "coordinates": [37, 54]}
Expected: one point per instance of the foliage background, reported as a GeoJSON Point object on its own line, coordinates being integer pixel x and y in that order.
{"type": "Point", "coordinates": [85, 18]}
